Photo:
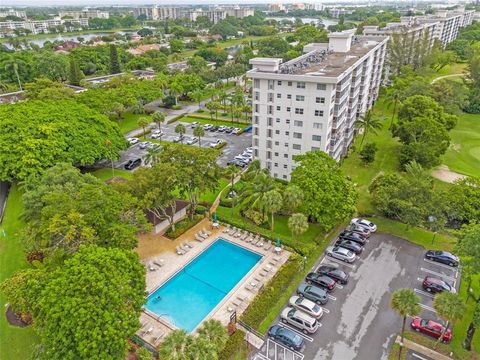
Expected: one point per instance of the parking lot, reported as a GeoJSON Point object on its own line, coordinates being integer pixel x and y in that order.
{"type": "Point", "coordinates": [358, 322]}
{"type": "Point", "coordinates": [236, 144]}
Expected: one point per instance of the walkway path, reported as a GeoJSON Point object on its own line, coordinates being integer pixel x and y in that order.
{"type": "Point", "coordinates": [446, 76]}
{"type": "Point", "coordinates": [444, 174]}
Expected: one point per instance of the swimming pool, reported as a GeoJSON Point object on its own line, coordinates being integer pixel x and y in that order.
{"type": "Point", "coordinates": [193, 292]}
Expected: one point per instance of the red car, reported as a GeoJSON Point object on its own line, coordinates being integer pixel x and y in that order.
{"type": "Point", "coordinates": [431, 328]}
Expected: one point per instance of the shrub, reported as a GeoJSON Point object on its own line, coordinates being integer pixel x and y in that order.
{"type": "Point", "coordinates": [233, 345]}
{"type": "Point", "coordinates": [168, 101]}
{"type": "Point", "coordinates": [182, 226]}
{"type": "Point", "coordinates": [226, 202]}
{"type": "Point", "coordinates": [176, 107]}
{"type": "Point", "coordinates": [201, 210]}
{"type": "Point", "coordinates": [367, 154]}
{"type": "Point", "coordinates": [255, 216]}
{"type": "Point", "coordinates": [200, 111]}
{"type": "Point", "coordinates": [221, 145]}
{"type": "Point", "coordinates": [149, 111]}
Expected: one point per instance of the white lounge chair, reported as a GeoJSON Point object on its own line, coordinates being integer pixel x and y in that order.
{"type": "Point", "coordinates": [232, 232]}
{"type": "Point", "coordinates": [268, 245]}
{"type": "Point", "coordinates": [227, 229]}
{"type": "Point", "coordinates": [158, 337]}
{"type": "Point", "coordinates": [245, 236]}
{"type": "Point", "coordinates": [199, 238]}
{"type": "Point", "coordinates": [249, 238]}
{"type": "Point", "coordinates": [151, 267]}
{"type": "Point", "coordinates": [238, 234]}
{"type": "Point", "coordinates": [205, 231]}
{"type": "Point", "coordinates": [159, 263]}
{"type": "Point", "coordinates": [260, 242]}
{"type": "Point", "coordinates": [184, 248]}
{"type": "Point", "coordinates": [179, 251]}
{"type": "Point", "coordinates": [202, 235]}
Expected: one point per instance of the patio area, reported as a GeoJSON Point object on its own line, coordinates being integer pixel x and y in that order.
{"type": "Point", "coordinates": [160, 257]}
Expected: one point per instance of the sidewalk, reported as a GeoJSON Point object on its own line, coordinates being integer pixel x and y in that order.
{"type": "Point", "coordinates": [422, 349]}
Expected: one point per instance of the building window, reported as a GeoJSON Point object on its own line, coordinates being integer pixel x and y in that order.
{"type": "Point", "coordinates": [284, 166]}
{"type": "Point", "coordinates": [271, 84]}
{"type": "Point", "coordinates": [256, 83]}
{"type": "Point", "coordinates": [297, 147]}
{"type": "Point", "coordinates": [270, 97]}
{"type": "Point", "coordinates": [300, 98]}
{"type": "Point", "coordinates": [279, 96]}
{"type": "Point", "coordinates": [287, 133]}
{"type": "Point", "coordinates": [297, 135]}
{"type": "Point", "coordinates": [269, 133]}
{"type": "Point", "coordinates": [278, 108]}
{"type": "Point", "coordinates": [285, 156]}
{"type": "Point", "coordinates": [256, 108]}
{"type": "Point", "coordinates": [298, 123]}
{"type": "Point", "coordinates": [277, 132]}
{"type": "Point", "coordinates": [289, 96]}
{"type": "Point", "coordinates": [276, 154]}
{"type": "Point", "coordinates": [255, 151]}
{"type": "Point", "coordinates": [316, 138]}
{"type": "Point", "coordinates": [287, 121]}
{"type": "Point", "coordinates": [314, 148]}
{"type": "Point", "coordinates": [255, 142]}
{"type": "Point", "coordinates": [269, 121]}
{"type": "Point", "coordinates": [255, 131]}
{"type": "Point", "coordinates": [270, 110]}
{"type": "Point", "coordinates": [275, 175]}
{"type": "Point", "coordinates": [285, 177]}
{"type": "Point", "coordinates": [300, 85]}
{"type": "Point", "coordinates": [299, 111]}
{"type": "Point", "coordinates": [318, 112]}
{"type": "Point", "coordinates": [257, 95]}
{"type": "Point", "coordinates": [321, 87]}
{"type": "Point", "coordinates": [320, 100]}
{"type": "Point", "coordinates": [286, 144]}
{"type": "Point", "coordinates": [277, 143]}
{"type": "Point", "coordinates": [288, 109]}
{"type": "Point", "coordinates": [255, 119]}
{"type": "Point", "coordinates": [277, 120]}
{"type": "Point", "coordinates": [289, 83]}
{"type": "Point", "coordinates": [279, 82]}
{"type": "Point", "coordinates": [275, 164]}
{"type": "Point", "coordinates": [317, 125]}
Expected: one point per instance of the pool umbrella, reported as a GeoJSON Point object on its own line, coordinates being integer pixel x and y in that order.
{"type": "Point", "coordinates": [278, 242]}
{"type": "Point", "coordinates": [215, 216]}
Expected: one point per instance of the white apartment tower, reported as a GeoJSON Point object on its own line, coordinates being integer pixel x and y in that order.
{"type": "Point", "coordinates": [312, 102]}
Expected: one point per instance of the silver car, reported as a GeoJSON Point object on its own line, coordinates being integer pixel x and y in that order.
{"type": "Point", "coordinates": [307, 306]}
{"type": "Point", "coordinates": [192, 140]}
{"type": "Point", "coordinates": [341, 253]}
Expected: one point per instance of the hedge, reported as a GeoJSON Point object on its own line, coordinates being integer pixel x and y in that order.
{"type": "Point", "coordinates": [182, 226]}
{"type": "Point", "coordinates": [220, 145]}
{"type": "Point", "coordinates": [233, 346]}
{"type": "Point", "coordinates": [175, 118]}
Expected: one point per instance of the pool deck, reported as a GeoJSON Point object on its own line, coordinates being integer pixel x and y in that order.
{"type": "Point", "coordinates": [154, 328]}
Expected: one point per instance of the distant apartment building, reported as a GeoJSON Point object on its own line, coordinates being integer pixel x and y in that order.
{"type": "Point", "coordinates": [38, 26]}
{"type": "Point", "coordinates": [298, 6]}
{"type": "Point", "coordinates": [157, 12]}
{"type": "Point", "coordinates": [213, 15]}
{"type": "Point", "coordinates": [314, 6]}
{"type": "Point", "coordinates": [337, 12]}
{"type": "Point", "coordinates": [85, 13]}
{"type": "Point", "coordinates": [239, 12]}
{"type": "Point", "coordinates": [276, 7]}
{"type": "Point", "coordinates": [12, 12]}
{"type": "Point", "coordinates": [312, 102]}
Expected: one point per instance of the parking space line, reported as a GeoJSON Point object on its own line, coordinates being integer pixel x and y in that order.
{"type": "Point", "coordinates": [306, 337]}
{"type": "Point", "coordinates": [325, 260]}
{"type": "Point", "coordinates": [427, 308]}
{"type": "Point", "coordinates": [332, 297]}
{"type": "Point", "coordinates": [418, 356]}
{"type": "Point", "coordinates": [440, 264]}
{"type": "Point", "coordinates": [341, 262]}
{"type": "Point", "coordinates": [325, 310]}
{"type": "Point", "coordinates": [423, 293]}
{"type": "Point", "coordinates": [438, 274]}
{"type": "Point", "coordinates": [338, 286]}
{"type": "Point", "coordinates": [296, 354]}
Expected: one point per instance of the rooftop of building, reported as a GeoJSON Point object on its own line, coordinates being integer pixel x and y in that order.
{"type": "Point", "coordinates": [321, 60]}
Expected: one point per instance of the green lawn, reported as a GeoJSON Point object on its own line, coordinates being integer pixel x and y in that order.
{"type": "Point", "coordinates": [15, 343]}
{"type": "Point", "coordinates": [106, 173]}
{"type": "Point", "coordinates": [190, 119]}
{"type": "Point", "coordinates": [129, 121]}
{"type": "Point", "coordinates": [210, 196]}
{"type": "Point", "coordinates": [463, 155]}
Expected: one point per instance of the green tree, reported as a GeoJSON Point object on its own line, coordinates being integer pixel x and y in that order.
{"type": "Point", "coordinates": [118, 109]}
{"type": "Point", "coordinates": [297, 224]}
{"type": "Point", "coordinates": [143, 123]}
{"type": "Point", "coordinates": [472, 327]}
{"type": "Point", "coordinates": [176, 89]}
{"type": "Point", "coordinates": [215, 333]}
{"type": "Point", "coordinates": [292, 198]}
{"type": "Point", "coordinates": [367, 154]}
{"type": "Point", "coordinates": [176, 45]}
{"type": "Point", "coordinates": [106, 282]}
{"type": "Point", "coordinates": [328, 195]}
{"type": "Point", "coordinates": [153, 155]}
{"type": "Point", "coordinates": [368, 123]}
{"type": "Point", "coordinates": [143, 354]}
{"type": "Point", "coordinates": [392, 98]}
{"type": "Point", "coordinates": [450, 307]}
{"type": "Point", "coordinates": [114, 62]}
{"type": "Point", "coordinates": [406, 303]}
{"type": "Point", "coordinates": [197, 95]}
{"type": "Point", "coordinates": [253, 195]}
{"type": "Point", "coordinates": [199, 132]}
{"type": "Point", "coordinates": [159, 117]}
{"type": "Point", "coordinates": [273, 202]}
{"type": "Point", "coordinates": [180, 130]}
{"type": "Point", "coordinates": [175, 346]}
{"type": "Point", "coordinates": [13, 65]}
{"type": "Point", "coordinates": [75, 75]}
{"type": "Point", "coordinates": [50, 65]}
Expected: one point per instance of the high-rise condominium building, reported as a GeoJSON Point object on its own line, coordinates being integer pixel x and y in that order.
{"type": "Point", "coordinates": [312, 102]}
{"type": "Point", "coordinates": [85, 13]}
{"type": "Point", "coordinates": [12, 12]}
{"type": "Point", "coordinates": [157, 12]}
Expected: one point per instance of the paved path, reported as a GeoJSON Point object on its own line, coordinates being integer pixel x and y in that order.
{"type": "Point", "coordinates": [446, 76]}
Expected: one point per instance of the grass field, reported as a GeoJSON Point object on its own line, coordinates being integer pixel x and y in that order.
{"type": "Point", "coordinates": [463, 155]}
{"type": "Point", "coordinates": [129, 121]}
{"type": "Point", "coordinates": [106, 173]}
{"type": "Point", "coordinates": [15, 343]}
{"type": "Point", "coordinates": [190, 119]}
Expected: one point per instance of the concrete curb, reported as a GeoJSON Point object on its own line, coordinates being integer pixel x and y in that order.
{"type": "Point", "coordinates": [422, 349]}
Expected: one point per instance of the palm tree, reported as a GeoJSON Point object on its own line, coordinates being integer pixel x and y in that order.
{"type": "Point", "coordinates": [253, 194]}
{"type": "Point", "coordinates": [153, 155]}
{"type": "Point", "coordinates": [298, 224]}
{"type": "Point", "coordinates": [210, 107]}
{"type": "Point", "coordinates": [180, 130]}
{"type": "Point", "coordinates": [12, 65]}
{"type": "Point", "coordinates": [392, 98]}
{"type": "Point", "coordinates": [175, 346]}
{"type": "Point", "coordinates": [450, 307]}
{"type": "Point", "coordinates": [214, 332]}
{"type": "Point", "coordinates": [143, 122]}
{"type": "Point", "coordinates": [199, 132]}
{"type": "Point", "coordinates": [292, 198]}
{"type": "Point", "coordinates": [159, 117]}
{"type": "Point", "coordinates": [273, 202]}
{"type": "Point", "coordinates": [197, 95]}
{"type": "Point", "coordinates": [223, 97]}
{"type": "Point", "coordinates": [368, 123]}
{"type": "Point", "coordinates": [231, 171]}
{"type": "Point", "coordinates": [176, 89]}
{"type": "Point", "coordinates": [216, 106]}
{"type": "Point", "coordinates": [201, 349]}
{"type": "Point", "coordinates": [405, 302]}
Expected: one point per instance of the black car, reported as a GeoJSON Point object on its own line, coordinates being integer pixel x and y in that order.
{"type": "Point", "coordinates": [350, 245]}
{"type": "Point", "coordinates": [229, 129]}
{"type": "Point", "coordinates": [214, 128]}
{"type": "Point", "coordinates": [132, 164]}
{"type": "Point", "coordinates": [359, 229]}
{"type": "Point", "coordinates": [286, 337]}
{"type": "Point", "coordinates": [323, 281]}
{"type": "Point", "coordinates": [333, 272]}
{"type": "Point", "coordinates": [353, 236]}
{"type": "Point", "coordinates": [442, 257]}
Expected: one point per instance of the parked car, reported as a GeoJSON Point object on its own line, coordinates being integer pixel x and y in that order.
{"type": "Point", "coordinates": [229, 130]}
{"type": "Point", "coordinates": [192, 140]}
{"type": "Point", "coordinates": [243, 158]}
{"type": "Point", "coordinates": [333, 272]}
{"type": "Point", "coordinates": [222, 128]}
{"type": "Point", "coordinates": [236, 130]}
{"type": "Point", "coordinates": [286, 337]}
{"type": "Point", "coordinates": [312, 292]}
{"type": "Point", "coordinates": [195, 124]}
{"type": "Point", "coordinates": [249, 150]}
{"type": "Point", "coordinates": [350, 245]}
{"type": "Point", "coordinates": [177, 138]}
{"type": "Point", "coordinates": [132, 164]}
{"type": "Point", "coordinates": [238, 163]}
{"type": "Point", "coordinates": [207, 126]}
{"type": "Point", "coordinates": [320, 280]}
{"type": "Point", "coordinates": [299, 319]}
{"type": "Point", "coordinates": [307, 306]}
{"type": "Point", "coordinates": [431, 328]}
{"type": "Point", "coordinates": [157, 135]}
{"type": "Point", "coordinates": [214, 128]}
{"type": "Point", "coordinates": [359, 230]}
{"type": "Point", "coordinates": [133, 140]}
{"type": "Point", "coordinates": [442, 257]}
{"type": "Point", "coordinates": [365, 223]}
{"type": "Point", "coordinates": [216, 143]}
{"type": "Point", "coordinates": [436, 285]}
{"type": "Point", "coordinates": [145, 144]}
{"type": "Point", "coordinates": [341, 253]}
{"type": "Point", "coordinates": [353, 236]}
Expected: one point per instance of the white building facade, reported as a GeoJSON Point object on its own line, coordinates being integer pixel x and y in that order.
{"type": "Point", "coordinates": [312, 102]}
{"type": "Point", "coordinates": [38, 26]}
{"type": "Point", "coordinates": [85, 13]}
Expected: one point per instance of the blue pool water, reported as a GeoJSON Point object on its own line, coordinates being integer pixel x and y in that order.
{"type": "Point", "coordinates": [189, 296]}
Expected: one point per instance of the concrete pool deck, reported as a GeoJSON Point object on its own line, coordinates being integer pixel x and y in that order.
{"type": "Point", "coordinates": [154, 328]}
